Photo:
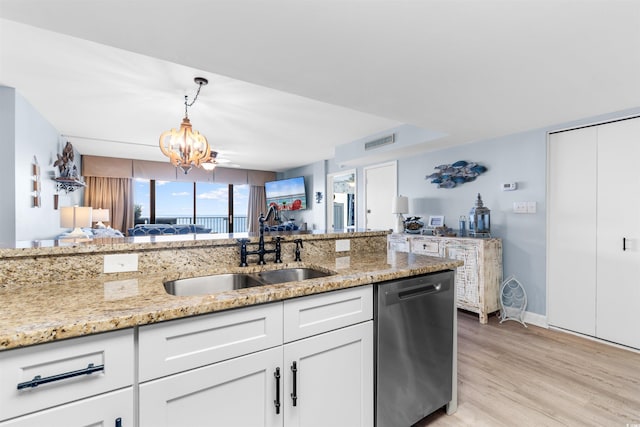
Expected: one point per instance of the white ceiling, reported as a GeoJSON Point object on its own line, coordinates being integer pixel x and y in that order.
{"type": "Point", "coordinates": [290, 80]}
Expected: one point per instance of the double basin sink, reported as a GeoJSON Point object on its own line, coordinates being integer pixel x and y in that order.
{"type": "Point", "coordinates": [205, 285]}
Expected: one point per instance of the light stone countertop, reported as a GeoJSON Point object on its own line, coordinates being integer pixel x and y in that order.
{"type": "Point", "coordinates": [44, 312]}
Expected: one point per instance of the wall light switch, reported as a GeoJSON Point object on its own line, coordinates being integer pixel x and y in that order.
{"type": "Point", "coordinates": [343, 245]}
{"type": "Point", "coordinates": [120, 263]}
{"type": "Point", "coordinates": [520, 207]}
{"type": "Point", "coordinates": [531, 207]}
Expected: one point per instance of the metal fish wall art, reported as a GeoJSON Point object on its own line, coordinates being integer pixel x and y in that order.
{"type": "Point", "coordinates": [448, 176]}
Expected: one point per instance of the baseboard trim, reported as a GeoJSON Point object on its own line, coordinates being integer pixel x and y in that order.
{"type": "Point", "coordinates": [536, 319]}
{"type": "Point", "coordinates": [591, 338]}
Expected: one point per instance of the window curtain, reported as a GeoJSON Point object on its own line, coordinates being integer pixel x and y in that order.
{"type": "Point", "coordinates": [257, 204]}
{"type": "Point", "coordinates": [115, 194]}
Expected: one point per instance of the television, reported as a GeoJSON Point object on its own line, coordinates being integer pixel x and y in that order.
{"type": "Point", "coordinates": [287, 194]}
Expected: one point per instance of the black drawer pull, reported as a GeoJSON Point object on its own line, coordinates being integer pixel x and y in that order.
{"type": "Point", "coordinates": [37, 380]}
{"type": "Point", "coordinates": [276, 402]}
{"type": "Point", "coordinates": [294, 395]}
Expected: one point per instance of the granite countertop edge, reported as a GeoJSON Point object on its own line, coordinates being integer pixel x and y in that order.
{"type": "Point", "coordinates": [47, 312]}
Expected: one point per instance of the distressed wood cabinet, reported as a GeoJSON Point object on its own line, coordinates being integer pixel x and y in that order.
{"type": "Point", "coordinates": [477, 281]}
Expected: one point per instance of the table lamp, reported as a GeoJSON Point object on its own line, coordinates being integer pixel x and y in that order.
{"type": "Point", "coordinates": [75, 217]}
{"type": "Point", "coordinates": [399, 206]}
{"type": "Point", "coordinates": [99, 215]}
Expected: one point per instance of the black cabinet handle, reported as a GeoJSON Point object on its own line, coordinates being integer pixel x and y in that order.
{"type": "Point", "coordinates": [294, 394]}
{"type": "Point", "coordinates": [276, 402]}
{"type": "Point", "coordinates": [37, 380]}
{"type": "Point", "coordinates": [624, 243]}
{"type": "Point", "coordinates": [118, 422]}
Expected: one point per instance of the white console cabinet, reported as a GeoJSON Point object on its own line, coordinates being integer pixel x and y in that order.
{"type": "Point", "coordinates": [302, 362]}
{"type": "Point", "coordinates": [477, 281]}
{"type": "Point", "coordinates": [77, 382]}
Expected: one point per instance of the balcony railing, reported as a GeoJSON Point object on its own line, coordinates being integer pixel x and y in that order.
{"type": "Point", "coordinates": [217, 223]}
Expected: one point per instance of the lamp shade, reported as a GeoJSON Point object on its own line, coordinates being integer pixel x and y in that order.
{"type": "Point", "coordinates": [99, 215]}
{"type": "Point", "coordinates": [400, 205]}
{"type": "Point", "coordinates": [75, 217]}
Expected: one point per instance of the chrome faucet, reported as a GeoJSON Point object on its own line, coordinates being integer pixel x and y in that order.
{"type": "Point", "coordinates": [261, 251]}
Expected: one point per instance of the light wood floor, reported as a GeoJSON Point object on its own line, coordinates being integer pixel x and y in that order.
{"type": "Point", "coordinates": [509, 375]}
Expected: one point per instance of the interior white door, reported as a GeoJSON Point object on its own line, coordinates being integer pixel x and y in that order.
{"type": "Point", "coordinates": [618, 234]}
{"type": "Point", "coordinates": [571, 256]}
{"type": "Point", "coordinates": [380, 189]}
{"type": "Point", "coordinates": [334, 379]}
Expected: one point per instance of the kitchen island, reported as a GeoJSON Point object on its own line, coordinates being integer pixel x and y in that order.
{"type": "Point", "coordinates": [96, 307]}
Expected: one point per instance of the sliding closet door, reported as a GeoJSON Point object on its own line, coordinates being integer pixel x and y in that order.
{"type": "Point", "coordinates": [571, 260]}
{"type": "Point", "coordinates": [618, 292]}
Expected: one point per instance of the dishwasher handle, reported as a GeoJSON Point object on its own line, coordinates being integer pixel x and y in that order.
{"type": "Point", "coordinates": [395, 296]}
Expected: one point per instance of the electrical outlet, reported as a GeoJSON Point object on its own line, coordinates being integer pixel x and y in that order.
{"type": "Point", "coordinates": [343, 245]}
{"type": "Point", "coordinates": [120, 263]}
{"type": "Point", "coordinates": [120, 289]}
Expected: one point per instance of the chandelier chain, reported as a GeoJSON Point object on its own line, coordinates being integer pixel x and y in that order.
{"type": "Point", "coordinates": [186, 99]}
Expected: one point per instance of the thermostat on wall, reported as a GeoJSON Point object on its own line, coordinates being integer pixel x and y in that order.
{"type": "Point", "coordinates": [510, 186]}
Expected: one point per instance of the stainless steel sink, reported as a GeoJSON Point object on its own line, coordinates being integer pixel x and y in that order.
{"type": "Point", "coordinates": [205, 285]}
{"type": "Point", "coordinates": [210, 284]}
{"type": "Point", "coordinates": [290, 275]}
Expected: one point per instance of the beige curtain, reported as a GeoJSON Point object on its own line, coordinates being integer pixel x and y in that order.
{"type": "Point", "coordinates": [257, 204]}
{"type": "Point", "coordinates": [115, 194]}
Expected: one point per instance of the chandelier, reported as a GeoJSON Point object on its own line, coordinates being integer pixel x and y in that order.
{"type": "Point", "coordinates": [186, 147]}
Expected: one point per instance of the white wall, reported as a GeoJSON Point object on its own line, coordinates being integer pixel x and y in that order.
{"type": "Point", "coordinates": [27, 134]}
{"type": "Point", "coordinates": [7, 171]}
{"type": "Point", "coordinates": [517, 158]}
{"type": "Point", "coordinates": [315, 180]}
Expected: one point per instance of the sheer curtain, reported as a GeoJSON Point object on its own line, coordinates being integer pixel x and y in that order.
{"type": "Point", "coordinates": [257, 204]}
{"type": "Point", "coordinates": [115, 194]}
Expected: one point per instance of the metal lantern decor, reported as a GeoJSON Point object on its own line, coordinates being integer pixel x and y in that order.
{"type": "Point", "coordinates": [479, 220]}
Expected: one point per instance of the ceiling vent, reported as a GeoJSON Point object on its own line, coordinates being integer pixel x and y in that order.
{"type": "Point", "coordinates": [377, 143]}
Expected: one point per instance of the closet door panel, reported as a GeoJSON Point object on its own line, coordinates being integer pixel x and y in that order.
{"type": "Point", "coordinates": [618, 235]}
{"type": "Point", "coordinates": [571, 256]}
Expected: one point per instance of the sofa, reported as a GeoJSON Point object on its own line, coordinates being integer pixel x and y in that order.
{"type": "Point", "coordinates": [161, 229]}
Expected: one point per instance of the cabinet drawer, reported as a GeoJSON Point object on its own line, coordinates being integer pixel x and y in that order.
{"type": "Point", "coordinates": [425, 247]}
{"type": "Point", "coordinates": [112, 350]}
{"type": "Point", "coordinates": [180, 345]}
{"type": "Point", "coordinates": [102, 410]}
{"type": "Point", "coordinates": [315, 314]}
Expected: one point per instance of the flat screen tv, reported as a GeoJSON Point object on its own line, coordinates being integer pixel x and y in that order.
{"type": "Point", "coordinates": [287, 194]}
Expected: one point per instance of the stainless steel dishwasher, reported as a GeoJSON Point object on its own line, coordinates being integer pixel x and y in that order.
{"type": "Point", "coordinates": [414, 321]}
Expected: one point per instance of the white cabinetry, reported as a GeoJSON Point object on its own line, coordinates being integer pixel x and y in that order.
{"type": "Point", "coordinates": [234, 368]}
{"type": "Point", "coordinates": [69, 383]}
{"type": "Point", "coordinates": [594, 231]}
{"type": "Point", "coordinates": [237, 392]}
{"type": "Point", "coordinates": [333, 370]}
{"type": "Point", "coordinates": [477, 281]}
{"type": "Point", "coordinates": [333, 382]}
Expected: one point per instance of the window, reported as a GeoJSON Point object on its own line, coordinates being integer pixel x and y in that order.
{"type": "Point", "coordinates": [240, 208]}
{"type": "Point", "coordinates": [142, 200]}
{"type": "Point", "coordinates": [174, 202]}
{"type": "Point", "coordinates": [204, 203]}
{"type": "Point", "coordinates": [212, 204]}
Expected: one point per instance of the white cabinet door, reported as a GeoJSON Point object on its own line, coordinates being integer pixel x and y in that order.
{"type": "Point", "coordinates": [618, 296]}
{"type": "Point", "coordinates": [333, 381]}
{"type": "Point", "coordinates": [239, 392]}
{"type": "Point", "coordinates": [113, 409]}
{"type": "Point", "coordinates": [571, 256]}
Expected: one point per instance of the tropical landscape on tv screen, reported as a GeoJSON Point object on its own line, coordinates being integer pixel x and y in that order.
{"type": "Point", "coordinates": [287, 194]}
